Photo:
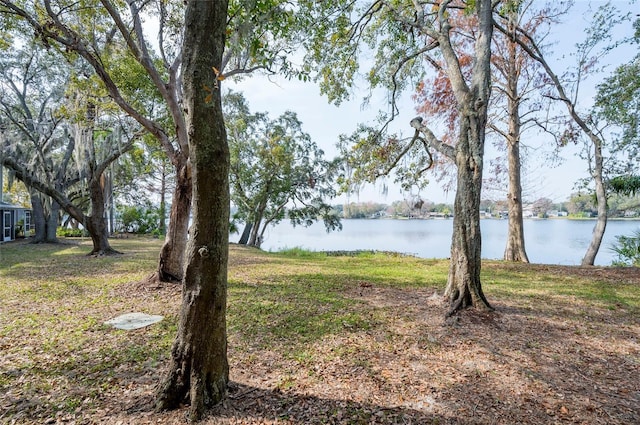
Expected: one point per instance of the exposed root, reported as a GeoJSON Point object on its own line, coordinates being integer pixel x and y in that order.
{"type": "Point", "coordinates": [199, 390]}
{"type": "Point", "coordinates": [164, 276]}
{"type": "Point", "coordinates": [466, 300]}
{"type": "Point", "coordinates": [456, 306]}
{"type": "Point", "coordinates": [104, 252]}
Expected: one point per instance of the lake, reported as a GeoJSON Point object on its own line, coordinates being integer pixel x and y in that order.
{"type": "Point", "coordinates": [547, 241]}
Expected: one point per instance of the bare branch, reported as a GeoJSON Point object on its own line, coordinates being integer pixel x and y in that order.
{"type": "Point", "coordinates": [432, 140]}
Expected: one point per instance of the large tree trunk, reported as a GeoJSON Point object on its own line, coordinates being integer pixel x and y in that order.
{"type": "Point", "coordinates": [601, 197]}
{"type": "Point", "coordinates": [515, 250]}
{"type": "Point", "coordinates": [199, 366]}
{"type": "Point", "coordinates": [43, 220]}
{"type": "Point", "coordinates": [37, 215]}
{"type": "Point", "coordinates": [254, 239]}
{"type": "Point", "coordinates": [463, 286]}
{"type": "Point", "coordinates": [96, 223]}
{"type": "Point", "coordinates": [255, 236]}
{"type": "Point", "coordinates": [52, 223]}
{"type": "Point", "coordinates": [171, 264]}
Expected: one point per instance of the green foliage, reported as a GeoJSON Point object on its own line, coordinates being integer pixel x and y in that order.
{"type": "Point", "coordinates": [67, 232]}
{"type": "Point", "coordinates": [625, 185]}
{"type": "Point", "coordinates": [628, 250]}
{"type": "Point", "coordinates": [618, 101]}
{"type": "Point", "coordinates": [133, 81]}
{"type": "Point", "coordinates": [260, 35]}
{"type": "Point", "coordinates": [370, 154]}
{"type": "Point", "coordinates": [277, 171]}
{"type": "Point", "coordinates": [139, 219]}
{"type": "Point", "coordinates": [297, 252]}
{"type": "Point", "coordinates": [362, 209]}
{"type": "Point", "coordinates": [581, 205]}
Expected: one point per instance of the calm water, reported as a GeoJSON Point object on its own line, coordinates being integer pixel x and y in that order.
{"type": "Point", "coordinates": [553, 241]}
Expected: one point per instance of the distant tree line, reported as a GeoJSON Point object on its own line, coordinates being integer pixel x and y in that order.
{"type": "Point", "coordinates": [579, 205]}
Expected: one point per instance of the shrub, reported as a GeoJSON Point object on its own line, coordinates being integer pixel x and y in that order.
{"type": "Point", "coordinates": [66, 232]}
{"type": "Point", "coordinates": [139, 219]}
{"type": "Point", "coordinates": [628, 250]}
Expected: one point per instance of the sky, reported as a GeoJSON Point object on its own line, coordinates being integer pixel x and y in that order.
{"type": "Point", "coordinates": [325, 122]}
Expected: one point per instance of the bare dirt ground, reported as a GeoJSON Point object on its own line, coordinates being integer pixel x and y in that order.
{"type": "Point", "coordinates": [555, 360]}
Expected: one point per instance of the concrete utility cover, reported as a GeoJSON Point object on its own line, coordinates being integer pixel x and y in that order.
{"type": "Point", "coordinates": [131, 321]}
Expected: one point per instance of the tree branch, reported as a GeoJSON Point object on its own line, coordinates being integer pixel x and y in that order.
{"type": "Point", "coordinates": [432, 140]}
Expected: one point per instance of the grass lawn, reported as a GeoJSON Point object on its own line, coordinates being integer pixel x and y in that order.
{"type": "Point", "coordinates": [317, 339]}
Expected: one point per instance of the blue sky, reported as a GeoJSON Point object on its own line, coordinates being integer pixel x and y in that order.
{"type": "Point", "coordinates": [325, 122]}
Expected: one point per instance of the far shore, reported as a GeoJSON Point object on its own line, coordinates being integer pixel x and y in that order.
{"type": "Point", "coordinates": [494, 218]}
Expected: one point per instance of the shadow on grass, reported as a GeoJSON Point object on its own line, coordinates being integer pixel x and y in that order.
{"type": "Point", "coordinates": [257, 404]}
{"type": "Point", "coordinates": [252, 405]}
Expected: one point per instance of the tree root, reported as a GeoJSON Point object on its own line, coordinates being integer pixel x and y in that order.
{"type": "Point", "coordinates": [199, 391]}
{"type": "Point", "coordinates": [104, 252]}
{"type": "Point", "coordinates": [465, 300]}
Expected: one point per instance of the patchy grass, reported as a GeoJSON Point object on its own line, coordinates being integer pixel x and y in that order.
{"type": "Point", "coordinates": [315, 338]}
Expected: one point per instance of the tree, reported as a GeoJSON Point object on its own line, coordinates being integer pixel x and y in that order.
{"type": "Point", "coordinates": [30, 97]}
{"type": "Point", "coordinates": [199, 367]}
{"type": "Point", "coordinates": [541, 206]}
{"type": "Point", "coordinates": [81, 140]}
{"type": "Point", "coordinates": [90, 32]}
{"type": "Point", "coordinates": [514, 85]}
{"type": "Point", "coordinates": [588, 54]}
{"type": "Point", "coordinates": [145, 176]}
{"type": "Point", "coordinates": [406, 37]}
{"type": "Point", "coordinates": [618, 101]}
{"type": "Point", "coordinates": [463, 285]}
{"type": "Point", "coordinates": [277, 171]}
{"type": "Point", "coordinates": [579, 204]}
{"type": "Point", "coordinates": [514, 102]}
{"type": "Point", "coordinates": [363, 210]}
{"type": "Point", "coordinates": [61, 141]}
{"type": "Point", "coordinates": [625, 185]}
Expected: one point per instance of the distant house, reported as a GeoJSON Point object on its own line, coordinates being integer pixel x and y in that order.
{"type": "Point", "coordinates": [15, 221]}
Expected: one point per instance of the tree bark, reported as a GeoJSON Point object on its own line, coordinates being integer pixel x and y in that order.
{"type": "Point", "coordinates": [515, 249]}
{"type": "Point", "coordinates": [45, 222]}
{"type": "Point", "coordinates": [464, 288]}
{"type": "Point", "coordinates": [601, 197]}
{"type": "Point", "coordinates": [162, 228]}
{"type": "Point", "coordinates": [199, 367]}
{"type": "Point", "coordinates": [171, 262]}
{"type": "Point", "coordinates": [245, 234]}
{"type": "Point", "coordinates": [96, 223]}
{"type": "Point", "coordinates": [52, 223]}
{"type": "Point", "coordinates": [39, 219]}
{"type": "Point", "coordinates": [254, 235]}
